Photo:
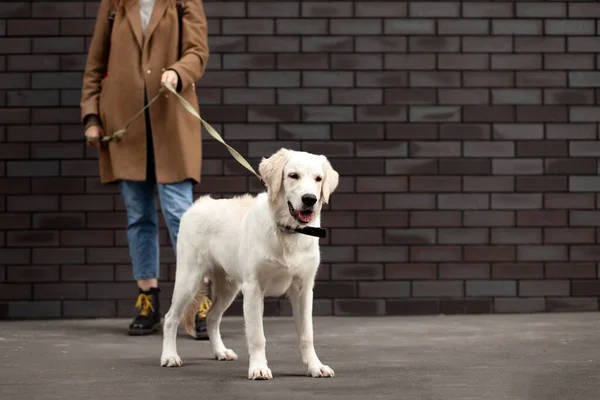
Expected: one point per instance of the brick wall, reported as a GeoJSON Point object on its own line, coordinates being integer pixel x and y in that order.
{"type": "Point", "coordinates": [465, 133]}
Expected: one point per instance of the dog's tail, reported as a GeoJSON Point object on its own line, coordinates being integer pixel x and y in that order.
{"type": "Point", "coordinates": [189, 315]}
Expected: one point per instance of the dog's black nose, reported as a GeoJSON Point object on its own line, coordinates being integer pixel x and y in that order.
{"type": "Point", "coordinates": [309, 199]}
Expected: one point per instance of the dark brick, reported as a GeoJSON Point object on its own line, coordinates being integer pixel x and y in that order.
{"type": "Point", "coordinates": [516, 61]}
{"type": "Point", "coordinates": [570, 270]}
{"type": "Point", "coordinates": [410, 271]}
{"type": "Point", "coordinates": [32, 27]}
{"type": "Point", "coordinates": [518, 271]}
{"type": "Point", "coordinates": [14, 185]}
{"type": "Point", "coordinates": [478, 253]}
{"type": "Point", "coordinates": [15, 45]}
{"type": "Point", "coordinates": [357, 272]}
{"type": "Point", "coordinates": [487, 44]}
{"type": "Point", "coordinates": [58, 256]}
{"type": "Point", "coordinates": [409, 201]}
{"type": "Point", "coordinates": [488, 113]}
{"type": "Point", "coordinates": [409, 236]}
{"type": "Point", "coordinates": [348, 307]}
{"type": "Point", "coordinates": [465, 166]}
{"type": "Point", "coordinates": [542, 253]}
{"type": "Point", "coordinates": [32, 274]}
{"type": "Point", "coordinates": [497, 288]}
{"type": "Point", "coordinates": [55, 291]}
{"type": "Point", "coordinates": [585, 288]}
{"type": "Point", "coordinates": [379, 149]}
{"type": "Point", "coordinates": [409, 26]}
{"type": "Point", "coordinates": [541, 218]}
{"type": "Point", "coordinates": [367, 44]}
{"type": "Point", "coordinates": [461, 201]}
{"type": "Point", "coordinates": [411, 61]}
{"type": "Point", "coordinates": [14, 291]}
{"type": "Point", "coordinates": [316, 44]}
{"type": "Point", "coordinates": [568, 201]}
{"type": "Point", "coordinates": [387, 289]}
{"type": "Point", "coordinates": [435, 184]}
{"type": "Point", "coordinates": [519, 305]}
{"type": "Point", "coordinates": [517, 27]}
{"type": "Point", "coordinates": [434, 44]}
{"type": "Point", "coordinates": [412, 307]}
{"type": "Point", "coordinates": [516, 201]}
{"type": "Point", "coordinates": [15, 9]}
{"type": "Point", "coordinates": [487, 9]}
{"type": "Point", "coordinates": [488, 79]}
{"type": "Point", "coordinates": [516, 236]}
{"type": "Point", "coordinates": [9, 221]}
{"type": "Point", "coordinates": [435, 219]}
{"type": "Point", "coordinates": [409, 96]}
{"type": "Point", "coordinates": [464, 131]}
{"type": "Point", "coordinates": [437, 289]}
{"type": "Point", "coordinates": [350, 27]}
{"type": "Point", "coordinates": [544, 288]}
{"type": "Point", "coordinates": [435, 253]}
{"type": "Point", "coordinates": [34, 309]}
{"type": "Point", "coordinates": [565, 304]}
{"type": "Point", "coordinates": [463, 96]}
{"type": "Point", "coordinates": [570, 166]}
{"type": "Point", "coordinates": [464, 271]}
{"type": "Point", "coordinates": [463, 236]}
{"type": "Point", "coordinates": [465, 306]}
{"type": "Point", "coordinates": [89, 309]}
{"type": "Point", "coordinates": [382, 253]}
{"type": "Point", "coordinates": [32, 238]}
{"type": "Point", "coordinates": [381, 218]}
{"type": "Point", "coordinates": [541, 184]}
{"type": "Point", "coordinates": [568, 61]}
{"type": "Point", "coordinates": [335, 289]}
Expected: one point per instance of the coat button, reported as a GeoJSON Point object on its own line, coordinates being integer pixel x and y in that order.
{"type": "Point", "coordinates": [148, 71]}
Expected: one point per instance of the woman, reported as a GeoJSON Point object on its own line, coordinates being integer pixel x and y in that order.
{"type": "Point", "coordinates": [129, 60]}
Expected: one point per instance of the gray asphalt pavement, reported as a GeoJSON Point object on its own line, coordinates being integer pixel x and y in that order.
{"type": "Point", "coordinates": [488, 357]}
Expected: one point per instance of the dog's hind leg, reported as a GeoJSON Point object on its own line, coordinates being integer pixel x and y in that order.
{"type": "Point", "coordinates": [224, 293]}
{"type": "Point", "coordinates": [188, 277]}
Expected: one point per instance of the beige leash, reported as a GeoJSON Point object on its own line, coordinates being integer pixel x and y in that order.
{"type": "Point", "coordinates": [118, 134]}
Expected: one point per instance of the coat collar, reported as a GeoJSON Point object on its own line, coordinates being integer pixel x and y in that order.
{"type": "Point", "coordinates": [133, 15]}
{"type": "Point", "coordinates": [158, 11]}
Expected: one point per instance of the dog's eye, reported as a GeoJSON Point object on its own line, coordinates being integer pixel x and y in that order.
{"type": "Point", "coordinates": [293, 176]}
{"type": "Point", "coordinates": [318, 179]}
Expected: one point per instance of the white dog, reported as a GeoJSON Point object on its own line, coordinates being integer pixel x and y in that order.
{"type": "Point", "coordinates": [263, 246]}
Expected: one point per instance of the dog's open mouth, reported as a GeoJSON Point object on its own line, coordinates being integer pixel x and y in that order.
{"type": "Point", "coordinates": [303, 216]}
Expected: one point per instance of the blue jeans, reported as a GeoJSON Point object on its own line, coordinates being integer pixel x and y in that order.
{"type": "Point", "coordinates": [142, 218]}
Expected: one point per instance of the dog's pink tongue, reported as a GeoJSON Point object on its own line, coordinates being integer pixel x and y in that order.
{"type": "Point", "coordinates": [305, 217]}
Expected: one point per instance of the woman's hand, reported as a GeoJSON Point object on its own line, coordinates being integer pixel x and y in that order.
{"type": "Point", "coordinates": [94, 132]}
{"type": "Point", "coordinates": [171, 77]}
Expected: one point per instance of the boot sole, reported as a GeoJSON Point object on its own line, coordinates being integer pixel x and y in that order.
{"type": "Point", "coordinates": [142, 332]}
{"type": "Point", "coordinates": [201, 336]}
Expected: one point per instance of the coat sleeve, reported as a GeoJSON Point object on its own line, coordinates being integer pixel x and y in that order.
{"type": "Point", "coordinates": [97, 58]}
{"type": "Point", "coordinates": [194, 44]}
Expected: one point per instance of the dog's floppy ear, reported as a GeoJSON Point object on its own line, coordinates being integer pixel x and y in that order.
{"type": "Point", "coordinates": [271, 170]}
{"type": "Point", "coordinates": [330, 180]}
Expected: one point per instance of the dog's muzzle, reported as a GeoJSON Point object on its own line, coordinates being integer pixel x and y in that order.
{"type": "Point", "coordinates": [303, 216]}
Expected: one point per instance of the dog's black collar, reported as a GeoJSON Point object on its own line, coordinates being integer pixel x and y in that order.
{"type": "Point", "coordinates": [307, 230]}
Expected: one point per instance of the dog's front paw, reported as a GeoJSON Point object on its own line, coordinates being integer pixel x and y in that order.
{"type": "Point", "coordinates": [171, 361]}
{"type": "Point", "coordinates": [260, 372]}
{"type": "Point", "coordinates": [226, 355]}
{"type": "Point", "coordinates": [320, 371]}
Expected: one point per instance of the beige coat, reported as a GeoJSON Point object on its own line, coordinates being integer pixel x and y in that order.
{"type": "Point", "coordinates": [113, 88]}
